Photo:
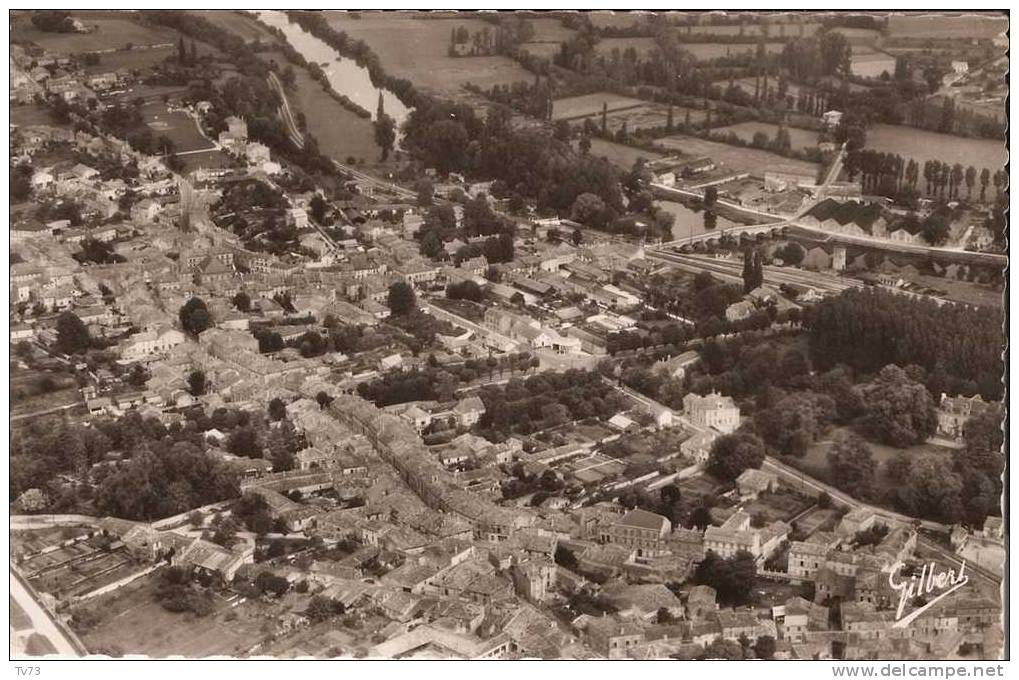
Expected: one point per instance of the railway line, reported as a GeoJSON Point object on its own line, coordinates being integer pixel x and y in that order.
{"type": "Point", "coordinates": [732, 271]}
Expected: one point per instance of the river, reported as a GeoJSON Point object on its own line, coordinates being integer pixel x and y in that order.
{"type": "Point", "coordinates": [690, 222]}
{"type": "Point", "coordinates": [345, 75]}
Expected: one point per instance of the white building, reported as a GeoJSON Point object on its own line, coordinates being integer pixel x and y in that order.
{"type": "Point", "coordinates": [713, 410]}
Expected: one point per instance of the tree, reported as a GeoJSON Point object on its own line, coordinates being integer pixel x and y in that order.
{"type": "Point", "coordinates": [267, 582]}
{"type": "Point", "coordinates": [402, 300]}
{"type": "Point", "coordinates": [852, 465]}
{"type": "Point", "coordinates": [720, 648]}
{"type": "Point", "coordinates": [971, 180]}
{"type": "Point", "coordinates": [194, 316]}
{"type": "Point", "coordinates": [587, 208]}
{"type": "Point", "coordinates": [385, 134]}
{"type": "Point", "coordinates": [935, 229]}
{"type": "Point", "coordinates": [931, 489]}
{"type": "Point", "coordinates": [985, 179]}
{"type": "Point", "coordinates": [983, 437]}
{"type": "Point", "coordinates": [277, 409]}
{"type": "Point", "coordinates": [196, 383]}
{"type": "Point", "coordinates": [425, 190]}
{"type": "Point", "coordinates": [897, 410]}
{"type": "Point", "coordinates": [732, 578]}
{"type": "Point", "coordinates": [731, 454]}
{"type": "Point", "coordinates": [72, 334]}
{"type": "Point", "coordinates": [322, 608]}
{"type": "Point", "coordinates": [764, 648]}
{"type": "Point", "coordinates": [791, 253]}
{"type": "Point", "coordinates": [138, 376]}
{"type": "Point", "coordinates": [753, 270]}
{"type": "Point", "coordinates": [431, 245]}
{"type": "Point", "coordinates": [319, 209]}
{"type": "Point", "coordinates": [710, 196]}
{"type": "Point", "coordinates": [242, 301]}
{"type": "Point", "coordinates": [323, 399]}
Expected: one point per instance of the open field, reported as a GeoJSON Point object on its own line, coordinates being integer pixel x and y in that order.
{"type": "Point", "coordinates": [545, 50]}
{"type": "Point", "coordinates": [591, 104]}
{"type": "Point", "coordinates": [748, 84]}
{"type": "Point", "coordinates": [340, 132]}
{"type": "Point", "coordinates": [132, 622]}
{"type": "Point", "coordinates": [176, 125]}
{"type": "Point", "coordinates": [109, 34]}
{"type": "Point", "coordinates": [735, 158]}
{"type": "Point", "coordinates": [208, 160]}
{"type": "Point", "coordinates": [923, 145]}
{"type": "Point", "coordinates": [33, 114]}
{"type": "Point", "coordinates": [238, 24]}
{"type": "Point", "coordinates": [620, 154]}
{"type": "Point", "coordinates": [708, 51]}
{"type": "Point", "coordinates": [134, 59]}
{"type": "Point", "coordinates": [871, 64]}
{"type": "Point", "coordinates": [753, 30]}
{"type": "Point", "coordinates": [550, 30]}
{"type": "Point", "coordinates": [421, 53]}
{"type": "Point", "coordinates": [148, 93]}
{"type": "Point", "coordinates": [801, 139]}
{"type": "Point", "coordinates": [929, 26]}
{"type": "Point", "coordinates": [643, 46]}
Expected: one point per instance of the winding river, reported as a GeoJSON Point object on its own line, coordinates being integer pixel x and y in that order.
{"type": "Point", "coordinates": [345, 75]}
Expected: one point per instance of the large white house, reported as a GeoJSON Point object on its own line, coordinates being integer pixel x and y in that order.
{"type": "Point", "coordinates": [150, 343]}
{"type": "Point", "coordinates": [713, 410]}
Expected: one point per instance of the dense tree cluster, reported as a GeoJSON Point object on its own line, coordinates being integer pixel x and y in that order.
{"type": "Point", "coordinates": [194, 316]}
{"type": "Point", "coordinates": [546, 400]}
{"type": "Point", "coordinates": [732, 578]}
{"type": "Point", "coordinates": [159, 483]}
{"type": "Point", "coordinates": [897, 410]}
{"type": "Point", "coordinates": [451, 138]}
{"type": "Point", "coordinates": [731, 454]}
{"type": "Point", "coordinates": [72, 334]}
{"type": "Point", "coordinates": [852, 466]}
{"type": "Point", "coordinates": [959, 347]}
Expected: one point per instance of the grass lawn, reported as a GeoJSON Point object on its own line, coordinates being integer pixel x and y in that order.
{"type": "Point", "coordinates": [32, 391]}
{"type": "Point", "coordinates": [417, 49]}
{"type": "Point", "coordinates": [735, 158]}
{"type": "Point", "coordinates": [800, 138]}
{"type": "Point", "coordinates": [33, 114]}
{"type": "Point", "coordinates": [177, 125]}
{"type": "Point", "coordinates": [132, 59]}
{"type": "Point", "coordinates": [207, 159]}
{"type": "Point", "coordinates": [340, 132]}
{"type": "Point", "coordinates": [110, 33]}
{"type": "Point", "coordinates": [591, 104]}
{"type": "Point", "coordinates": [620, 154]}
{"type": "Point", "coordinates": [815, 462]}
{"type": "Point", "coordinates": [238, 24]}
